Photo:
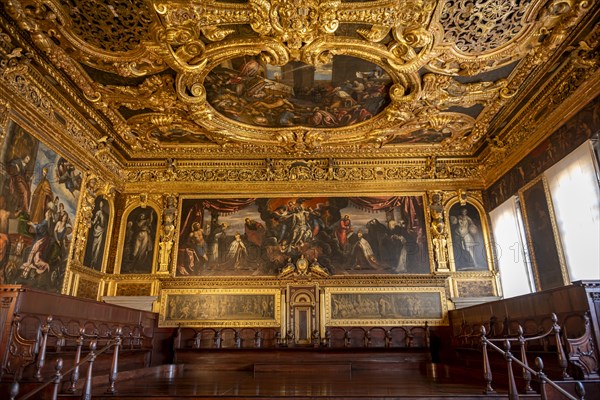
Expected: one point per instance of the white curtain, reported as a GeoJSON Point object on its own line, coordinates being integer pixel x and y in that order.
{"type": "Point", "coordinates": [515, 276]}
{"type": "Point", "coordinates": [575, 191]}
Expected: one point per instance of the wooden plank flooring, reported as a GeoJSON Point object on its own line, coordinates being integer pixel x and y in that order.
{"type": "Point", "coordinates": [345, 384]}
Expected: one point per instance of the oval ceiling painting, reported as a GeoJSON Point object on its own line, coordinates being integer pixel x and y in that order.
{"type": "Point", "coordinates": [345, 92]}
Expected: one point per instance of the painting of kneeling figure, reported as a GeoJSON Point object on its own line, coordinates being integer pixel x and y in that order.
{"type": "Point", "coordinates": [259, 236]}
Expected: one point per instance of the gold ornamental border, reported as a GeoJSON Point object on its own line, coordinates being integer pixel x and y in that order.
{"type": "Point", "coordinates": [163, 321]}
{"type": "Point", "coordinates": [485, 232]}
{"type": "Point", "coordinates": [293, 194]}
{"type": "Point", "coordinates": [441, 291]}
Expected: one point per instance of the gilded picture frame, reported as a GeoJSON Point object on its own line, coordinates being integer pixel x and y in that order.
{"type": "Point", "coordinates": [385, 306]}
{"type": "Point", "coordinates": [135, 210]}
{"type": "Point", "coordinates": [220, 308]}
{"type": "Point", "coordinates": [40, 190]}
{"type": "Point", "coordinates": [188, 261]}
{"type": "Point", "coordinates": [469, 247]}
{"type": "Point", "coordinates": [106, 211]}
{"type": "Point", "coordinates": [543, 238]}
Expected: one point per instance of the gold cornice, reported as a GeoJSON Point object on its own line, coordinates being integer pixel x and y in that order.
{"type": "Point", "coordinates": [303, 175]}
{"type": "Point", "coordinates": [363, 280]}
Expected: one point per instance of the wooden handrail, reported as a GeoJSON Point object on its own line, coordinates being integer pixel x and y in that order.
{"type": "Point", "coordinates": [89, 359]}
{"type": "Point", "coordinates": [513, 394]}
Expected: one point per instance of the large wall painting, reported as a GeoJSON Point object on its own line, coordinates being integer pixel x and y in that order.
{"type": "Point", "coordinates": [468, 245]}
{"type": "Point", "coordinates": [347, 235]}
{"type": "Point", "coordinates": [38, 200]}
{"type": "Point", "coordinates": [97, 234]}
{"type": "Point", "coordinates": [139, 243]}
{"type": "Point", "coordinates": [542, 236]}
{"type": "Point", "coordinates": [384, 306]}
{"type": "Point", "coordinates": [220, 307]}
{"type": "Point", "coordinates": [344, 92]}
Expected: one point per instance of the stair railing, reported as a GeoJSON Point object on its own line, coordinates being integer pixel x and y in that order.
{"type": "Point", "coordinates": [113, 340]}
{"type": "Point", "coordinates": [512, 387]}
{"type": "Point", "coordinates": [57, 377]}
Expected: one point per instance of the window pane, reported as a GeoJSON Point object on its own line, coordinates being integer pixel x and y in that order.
{"type": "Point", "coordinates": [514, 275]}
{"type": "Point", "coordinates": [575, 194]}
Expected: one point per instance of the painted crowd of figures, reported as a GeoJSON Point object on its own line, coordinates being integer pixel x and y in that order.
{"type": "Point", "coordinates": [263, 235]}
{"type": "Point", "coordinates": [220, 307]}
{"type": "Point", "coordinates": [38, 196]}
{"type": "Point", "coordinates": [247, 95]}
{"type": "Point", "coordinates": [385, 305]}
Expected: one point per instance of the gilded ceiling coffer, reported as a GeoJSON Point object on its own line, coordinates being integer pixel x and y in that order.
{"type": "Point", "coordinates": [274, 77]}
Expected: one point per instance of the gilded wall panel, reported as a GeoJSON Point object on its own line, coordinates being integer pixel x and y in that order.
{"type": "Point", "coordinates": [134, 289]}
{"type": "Point", "coordinates": [548, 262]}
{"type": "Point", "coordinates": [87, 288]}
{"type": "Point", "coordinates": [220, 307]}
{"type": "Point", "coordinates": [385, 306]}
{"type": "Point", "coordinates": [97, 237]}
{"type": "Point", "coordinates": [469, 246]}
{"type": "Point", "coordinates": [474, 288]}
{"type": "Point", "coordinates": [138, 245]}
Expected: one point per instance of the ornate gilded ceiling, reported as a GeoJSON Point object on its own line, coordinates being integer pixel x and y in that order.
{"type": "Point", "coordinates": [192, 78]}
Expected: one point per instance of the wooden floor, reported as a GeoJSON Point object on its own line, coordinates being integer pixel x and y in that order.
{"type": "Point", "coordinates": [347, 384]}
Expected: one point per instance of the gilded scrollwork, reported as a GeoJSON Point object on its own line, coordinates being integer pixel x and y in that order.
{"type": "Point", "coordinates": [318, 170]}
{"type": "Point", "coordinates": [175, 45]}
{"type": "Point", "coordinates": [478, 27]}
{"type": "Point", "coordinates": [460, 72]}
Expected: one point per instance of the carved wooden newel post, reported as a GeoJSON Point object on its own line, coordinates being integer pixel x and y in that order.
{"type": "Point", "coordinates": [487, 372]}
{"type": "Point", "coordinates": [541, 377]}
{"type": "Point", "coordinates": [42, 353]}
{"type": "Point", "coordinates": [57, 378]}
{"type": "Point", "coordinates": [526, 373]}
{"type": "Point", "coordinates": [87, 389]}
{"type": "Point", "coordinates": [512, 385]}
{"type": "Point", "coordinates": [112, 378]}
{"type": "Point", "coordinates": [562, 358]}
{"type": "Point", "coordinates": [75, 374]}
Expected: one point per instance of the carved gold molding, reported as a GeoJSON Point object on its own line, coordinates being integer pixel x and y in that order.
{"type": "Point", "coordinates": [31, 99]}
{"type": "Point", "coordinates": [402, 37]}
{"type": "Point", "coordinates": [84, 119]}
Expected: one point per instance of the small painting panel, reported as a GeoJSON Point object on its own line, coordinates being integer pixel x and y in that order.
{"type": "Point", "coordinates": [39, 191]}
{"type": "Point", "coordinates": [376, 306]}
{"type": "Point", "coordinates": [542, 236]}
{"type": "Point", "coordinates": [468, 245]}
{"type": "Point", "coordinates": [139, 244]}
{"type": "Point", "coordinates": [347, 235]}
{"type": "Point", "coordinates": [96, 239]}
{"type": "Point", "coordinates": [474, 288]}
{"type": "Point", "coordinates": [220, 307]}
{"type": "Point", "coordinates": [345, 92]}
